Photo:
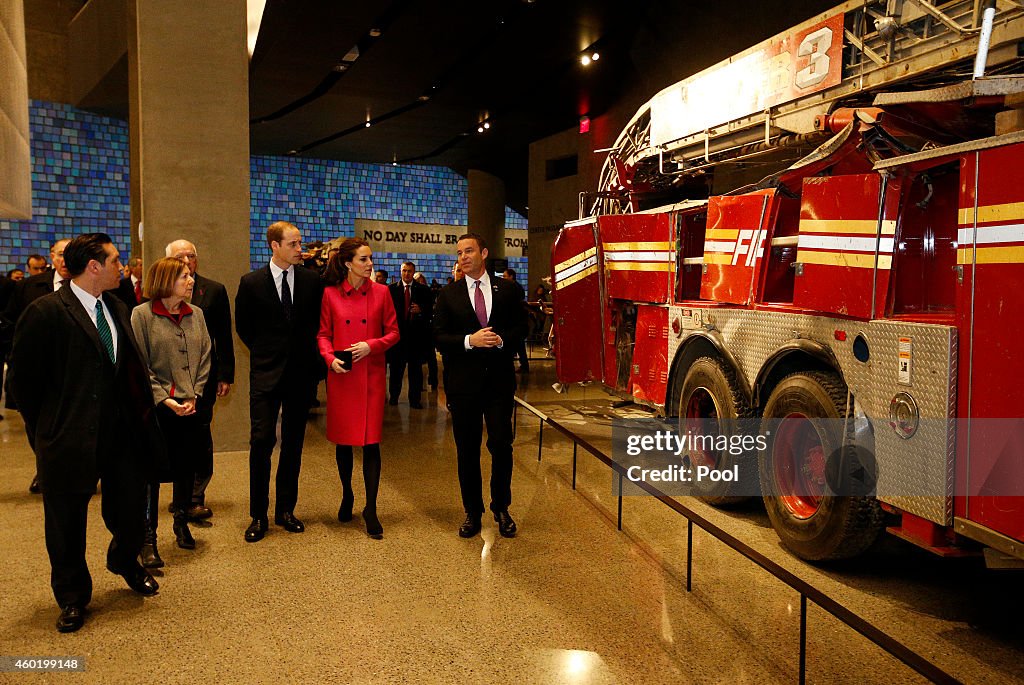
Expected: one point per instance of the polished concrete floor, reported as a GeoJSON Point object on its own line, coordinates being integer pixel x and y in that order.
{"type": "Point", "coordinates": [569, 600]}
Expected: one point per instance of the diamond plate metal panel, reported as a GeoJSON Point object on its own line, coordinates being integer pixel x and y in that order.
{"type": "Point", "coordinates": [916, 474]}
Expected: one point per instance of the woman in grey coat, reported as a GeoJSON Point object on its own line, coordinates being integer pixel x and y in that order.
{"type": "Point", "coordinates": [176, 349]}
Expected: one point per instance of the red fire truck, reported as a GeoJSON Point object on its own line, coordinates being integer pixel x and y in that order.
{"type": "Point", "coordinates": [829, 225]}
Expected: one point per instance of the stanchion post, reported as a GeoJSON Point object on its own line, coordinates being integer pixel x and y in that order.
{"type": "Point", "coordinates": [574, 446]}
{"type": "Point", "coordinates": [689, 554]}
{"type": "Point", "coordinates": [803, 638]}
{"type": "Point", "coordinates": [540, 439]}
{"type": "Point", "coordinates": [620, 501]}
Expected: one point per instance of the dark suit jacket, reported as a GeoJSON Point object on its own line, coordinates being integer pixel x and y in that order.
{"type": "Point", "coordinates": [212, 298]}
{"type": "Point", "coordinates": [126, 292]}
{"type": "Point", "coordinates": [275, 345]}
{"type": "Point", "coordinates": [414, 334]}
{"type": "Point", "coordinates": [75, 402]}
{"type": "Point", "coordinates": [478, 370]}
{"type": "Point", "coordinates": [25, 293]}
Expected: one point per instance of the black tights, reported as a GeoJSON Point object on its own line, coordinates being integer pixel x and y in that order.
{"type": "Point", "coordinates": [371, 471]}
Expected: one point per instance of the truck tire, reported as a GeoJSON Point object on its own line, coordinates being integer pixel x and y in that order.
{"type": "Point", "coordinates": [812, 522]}
{"type": "Point", "coordinates": [710, 391]}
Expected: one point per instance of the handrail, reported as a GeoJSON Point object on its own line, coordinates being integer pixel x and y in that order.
{"type": "Point", "coordinates": [807, 591]}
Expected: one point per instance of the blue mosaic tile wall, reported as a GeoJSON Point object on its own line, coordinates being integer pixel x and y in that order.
{"type": "Point", "coordinates": [324, 198]}
{"type": "Point", "coordinates": [79, 182]}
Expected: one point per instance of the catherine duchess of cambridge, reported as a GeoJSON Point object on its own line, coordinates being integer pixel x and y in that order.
{"type": "Point", "coordinates": [357, 324]}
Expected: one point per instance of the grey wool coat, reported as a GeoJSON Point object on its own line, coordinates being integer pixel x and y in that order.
{"type": "Point", "coordinates": [177, 355]}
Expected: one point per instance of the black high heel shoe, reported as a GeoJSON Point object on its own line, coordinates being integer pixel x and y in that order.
{"type": "Point", "coordinates": [373, 527]}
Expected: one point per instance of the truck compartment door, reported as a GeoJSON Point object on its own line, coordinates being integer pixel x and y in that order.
{"type": "Point", "coordinates": [579, 310]}
{"type": "Point", "coordinates": [844, 254]}
{"type": "Point", "coordinates": [639, 256]}
{"type": "Point", "coordinates": [734, 246]}
{"type": "Point", "coordinates": [990, 302]}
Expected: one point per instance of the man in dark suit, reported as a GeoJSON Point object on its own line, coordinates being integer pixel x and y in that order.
{"type": "Point", "coordinates": [211, 297]}
{"type": "Point", "coordinates": [414, 307]}
{"type": "Point", "coordinates": [129, 289]}
{"type": "Point", "coordinates": [277, 316]}
{"type": "Point", "coordinates": [24, 294]}
{"type": "Point", "coordinates": [86, 399]}
{"type": "Point", "coordinates": [524, 359]}
{"type": "Point", "coordinates": [478, 323]}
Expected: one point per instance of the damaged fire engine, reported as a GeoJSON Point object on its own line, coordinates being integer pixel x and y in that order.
{"type": "Point", "coordinates": [829, 225]}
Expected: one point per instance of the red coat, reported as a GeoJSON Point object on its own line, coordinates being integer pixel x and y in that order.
{"type": "Point", "coordinates": [355, 400]}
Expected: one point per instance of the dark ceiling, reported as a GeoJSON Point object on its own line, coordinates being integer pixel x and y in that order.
{"type": "Point", "coordinates": [429, 72]}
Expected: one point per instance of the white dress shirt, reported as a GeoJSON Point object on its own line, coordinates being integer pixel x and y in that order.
{"type": "Point", "coordinates": [485, 287]}
{"type": "Point", "coordinates": [289, 273]}
{"type": "Point", "coordinates": [89, 302]}
{"type": "Point", "coordinates": [57, 281]}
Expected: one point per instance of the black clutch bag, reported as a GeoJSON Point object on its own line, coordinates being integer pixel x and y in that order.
{"type": "Point", "coordinates": [345, 357]}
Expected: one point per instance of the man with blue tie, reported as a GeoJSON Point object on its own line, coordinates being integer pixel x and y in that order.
{"type": "Point", "coordinates": [478, 324]}
{"type": "Point", "coordinates": [277, 316]}
{"type": "Point", "coordinates": [86, 400]}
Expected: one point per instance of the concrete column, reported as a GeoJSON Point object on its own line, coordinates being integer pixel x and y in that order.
{"type": "Point", "coordinates": [15, 156]}
{"type": "Point", "coordinates": [189, 113]}
{"type": "Point", "coordinates": [487, 210]}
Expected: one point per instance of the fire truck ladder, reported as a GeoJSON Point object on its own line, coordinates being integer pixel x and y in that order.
{"type": "Point", "coordinates": [885, 43]}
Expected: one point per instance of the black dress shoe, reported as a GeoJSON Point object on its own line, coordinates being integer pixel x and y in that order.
{"type": "Point", "coordinates": [288, 521]}
{"type": "Point", "coordinates": [506, 526]}
{"type": "Point", "coordinates": [198, 512]}
{"type": "Point", "coordinates": [345, 510]}
{"type": "Point", "coordinates": [373, 527]}
{"type": "Point", "coordinates": [150, 557]}
{"type": "Point", "coordinates": [71, 618]}
{"type": "Point", "coordinates": [34, 489]}
{"type": "Point", "coordinates": [470, 527]}
{"type": "Point", "coordinates": [183, 536]}
{"type": "Point", "coordinates": [138, 579]}
{"type": "Point", "coordinates": [255, 531]}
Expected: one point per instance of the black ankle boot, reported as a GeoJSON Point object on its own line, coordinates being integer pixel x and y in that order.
{"type": "Point", "coordinates": [149, 556]}
{"type": "Point", "coordinates": [345, 510]}
{"type": "Point", "coordinates": [373, 527]}
{"type": "Point", "coordinates": [182, 533]}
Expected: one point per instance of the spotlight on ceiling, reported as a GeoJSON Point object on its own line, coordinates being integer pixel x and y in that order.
{"type": "Point", "coordinates": [374, 33]}
{"type": "Point", "coordinates": [479, 129]}
{"type": "Point", "coordinates": [596, 56]}
{"type": "Point", "coordinates": [367, 124]}
{"type": "Point", "coordinates": [585, 60]}
{"type": "Point", "coordinates": [487, 124]}
{"type": "Point", "coordinates": [340, 67]}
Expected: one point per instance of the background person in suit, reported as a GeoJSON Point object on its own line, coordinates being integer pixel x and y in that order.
{"type": "Point", "coordinates": [130, 287]}
{"type": "Point", "coordinates": [414, 307]}
{"type": "Point", "coordinates": [36, 264]}
{"type": "Point", "coordinates": [429, 352]}
{"type": "Point", "coordinates": [212, 298]}
{"type": "Point", "coordinates": [277, 316]}
{"type": "Point", "coordinates": [25, 293]}
{"type": "Point", "coordinates": [357, 316]}
{"type": "Point", "coordinates": [85, 396]}
{"type": "Point", "coordinates": [478, 323]}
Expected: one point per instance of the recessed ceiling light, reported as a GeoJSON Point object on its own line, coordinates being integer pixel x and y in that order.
{"type": "Point", "coordinates": [375, 33]}
{"type": "Point", "coordinates": [367, 124]}
{"type": "Point", "coordinates": [340, 67]}
{"type": "Point", "coordinates": [479, 129]}
{"type": "Point", "coordinates": [585, 60]}
{"type": "Point", "coordinates": [596, 56]}
{"type": "Point", "coordinates": [487, 124]}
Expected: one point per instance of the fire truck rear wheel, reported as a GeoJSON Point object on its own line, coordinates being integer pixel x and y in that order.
{"type": "Point", "coordinates": [812, 522]}
{"type": "Point", "coordinates": [711, 391]}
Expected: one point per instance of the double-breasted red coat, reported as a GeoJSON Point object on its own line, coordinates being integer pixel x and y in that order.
{"type": "Point", "coordinates": [355, 400]}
